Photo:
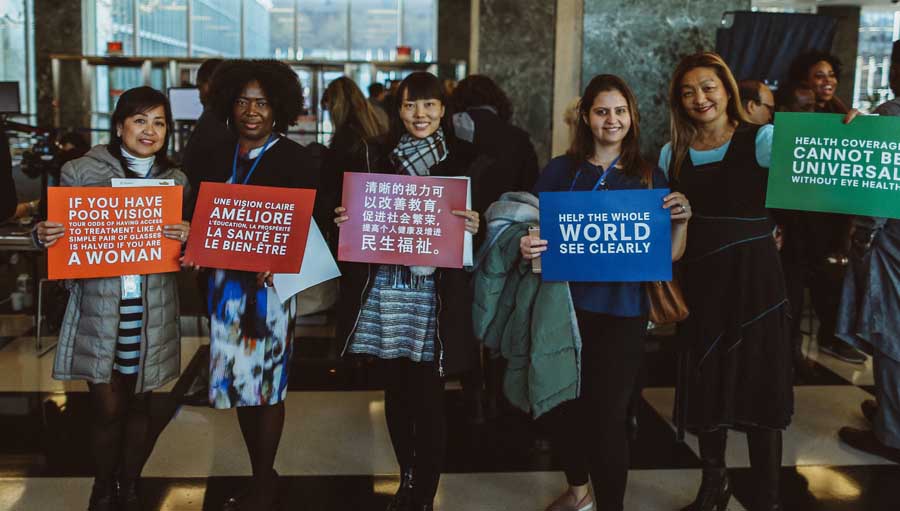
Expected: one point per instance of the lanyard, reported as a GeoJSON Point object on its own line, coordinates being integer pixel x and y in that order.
{"type": "Point", "coordinates": [252, 167]}
{"type": "Point", "coordinates": [600, 182]}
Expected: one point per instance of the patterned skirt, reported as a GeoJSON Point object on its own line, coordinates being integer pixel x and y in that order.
{"type": "Point", "coordinates": [397, 320]}
{"type": "Point", "coordinates": [250, 341]}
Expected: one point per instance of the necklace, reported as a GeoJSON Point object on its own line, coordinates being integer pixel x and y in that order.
{"type": "Point", "coordinates": [705, 145]}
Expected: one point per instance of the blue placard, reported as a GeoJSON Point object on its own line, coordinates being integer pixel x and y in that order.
{"type": "Point", "coordinates": [607, 236]}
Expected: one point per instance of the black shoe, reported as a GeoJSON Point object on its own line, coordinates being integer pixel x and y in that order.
{"type": "Point", "coordinates": [865, 440]}
{"type": "Point", "coordinates": [402, 500]}
{"type": "Point", "coordinates": [103, 496]}
{"type": "Point", "coordinates": [632, 425]}
{"type": "Point", "coordinates": [869, 409]}
{"type": "Point", "coordinates": [715, 491]}
{"type": "Point", "coordinates": [843, 351]}
{"type": "Point", "coordinates": [129, 499]}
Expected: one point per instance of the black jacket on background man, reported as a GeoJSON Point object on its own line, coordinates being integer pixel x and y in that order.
{"type": "Point", "coordinates": [8, 198]}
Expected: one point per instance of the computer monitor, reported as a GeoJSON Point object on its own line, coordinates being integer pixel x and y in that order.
{"type": "Point", "coordinates": [9, 98]}
{"type": "Point", "coordinates": [186, 105]}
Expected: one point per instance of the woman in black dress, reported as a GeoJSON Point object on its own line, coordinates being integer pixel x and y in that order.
{"type": "Point", "coordinates": [738, 331]}
{"type": "Point", "coordinates": [251, 330]}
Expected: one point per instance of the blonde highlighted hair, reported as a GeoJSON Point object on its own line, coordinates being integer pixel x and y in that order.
{"type": "Point", "coordinates": [680, 124]}
{"type": "Point", "coordinates": [349, 108]}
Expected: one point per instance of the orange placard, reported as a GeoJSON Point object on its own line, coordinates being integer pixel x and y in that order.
{"type": "Point", "coordinates": [113, 231]}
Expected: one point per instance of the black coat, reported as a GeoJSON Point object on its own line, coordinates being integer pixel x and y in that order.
{"type": "Point", "coordinates": [8, 199]}
{"type": "Point", "coordinates": [209, 136]}
{"type": "Point", "coordinates": [460, 349]}
{"type": "Point", "coordinates": [513, 166]}
{"type": "Point", "coordinates": [286, 164]}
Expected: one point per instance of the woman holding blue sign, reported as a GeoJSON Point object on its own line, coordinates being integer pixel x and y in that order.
{"type": "Point", "coordinates": [415, 320]}
{"type": "Point", "coordinates": [739, 353]}
{"type": "Point", "coordinates": [589, 433]}
{"type": "Point", "coordinates": [251, 330]}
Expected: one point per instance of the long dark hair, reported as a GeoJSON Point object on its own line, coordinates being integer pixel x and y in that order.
{"type": "Point", "coordinates": [582, 147]}
{"type": "Point", "coordinates": [135, 101]}
{"type": "Point", "coordinates": [480, 90]}
{"type": "Point", "coordinates": [418, 85]}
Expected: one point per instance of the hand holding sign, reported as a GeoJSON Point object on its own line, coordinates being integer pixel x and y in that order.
{"type": "Point", "coordinates": [612, 236]}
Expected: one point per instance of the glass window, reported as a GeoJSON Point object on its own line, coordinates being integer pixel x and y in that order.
{"type": "Point", "coordinates": [216, 28]}
{"type": "Point", "coordinates": [163, 27]}
{"type": "Point", "coordinates": [878, 29]}
{"type": "Point", "coordinates": [322, 29]}
{"type": "Point", "coordinates": [281, 29]}
{"type": "Point", "coordinates": [14, 36]}
{"type": "Point", "coordinates": [374, 29]}
{"type": "Point", "coordinates": [420, 28]}
{"type": "Point", "coordinates": [256, 28]}
{"type": "Point", "coordinates": [284, 29]}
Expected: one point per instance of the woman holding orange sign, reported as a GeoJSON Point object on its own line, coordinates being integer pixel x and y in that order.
{"type": "Point", "coordinates": [121, 334]}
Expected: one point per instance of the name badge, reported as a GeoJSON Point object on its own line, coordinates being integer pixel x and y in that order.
{"type": "Point", "coordinates": [131, 287]}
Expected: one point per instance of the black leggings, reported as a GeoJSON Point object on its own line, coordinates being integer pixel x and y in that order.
{"type": "Point", "coordinates": [590, 433]}
{"type": "Point", "coordinates": [121, 436]}
{"type": "Point", "coordinates": [414, 409]}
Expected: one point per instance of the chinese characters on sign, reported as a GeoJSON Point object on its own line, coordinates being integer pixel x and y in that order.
{"type": "Point", "coordinates": [403, 220]}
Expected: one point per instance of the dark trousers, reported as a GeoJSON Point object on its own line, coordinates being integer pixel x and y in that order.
{"type": "Point", "coordinates": [414, 409]}
{"type": "Point", "coordinates": [590, 433]}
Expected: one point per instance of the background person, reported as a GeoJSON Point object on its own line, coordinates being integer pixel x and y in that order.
{"type": "Point", "coordinates": [125, 341]}
{"type": "Point", "coordinates": [758, 101]}
{"type": "Point", "coordinates": [251, 330]}
{"type": "Point", "coordinates": [737, 334]}
{"type": "Point", "coordinates": [589, 433]}
{"type": "Point", "coordinates": [869, 315]}
{"type": "Point", "coordinates": [826, 236]}
{"type": "Point", "coordinates": [414, 320]}
{"type": "Point", "coordinates": [352, 146]}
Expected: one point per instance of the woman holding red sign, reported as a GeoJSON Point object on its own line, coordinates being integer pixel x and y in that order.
{"type": "Point", "coordinates": [590, 433]}
{"type": "Point", "coordinates": [251, 330]}
{"type": "Point", "coordinates": [738, 334]}
{"type": "Point", "coordinates": [121, 334]}
{"type": "Point", "coordinates": [415, 320]}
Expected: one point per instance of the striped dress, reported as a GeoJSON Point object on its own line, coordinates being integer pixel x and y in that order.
{"type": "Point", "coordinates": [397, 321]}
{"type": "Point", "coordinates": [128, 344]}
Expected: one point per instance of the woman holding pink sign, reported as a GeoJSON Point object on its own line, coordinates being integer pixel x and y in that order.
{"type": "Point", "coordinates": [251, 330]}
{"type": "Point", "coordinates": [416, 320]}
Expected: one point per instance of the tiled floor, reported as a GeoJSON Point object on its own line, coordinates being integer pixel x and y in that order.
{"type": "Point", "coordinates": [336, 454]}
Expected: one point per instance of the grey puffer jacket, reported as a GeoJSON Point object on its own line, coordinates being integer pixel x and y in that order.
{"type": "Point", "coordinates": [90, 327]}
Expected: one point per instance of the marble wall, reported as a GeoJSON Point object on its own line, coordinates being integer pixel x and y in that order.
{"type": "Point", "coordinates": [516, 48]}
{"type": "Point", "coordinates": [454, 29]}
{"type": "Point", "coordinates": [642, 42]}
{"type": "Point", "coordinates": [57, 29]}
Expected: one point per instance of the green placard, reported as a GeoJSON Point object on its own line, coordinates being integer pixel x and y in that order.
{"type": "Point", "coordinates": [821, 164]}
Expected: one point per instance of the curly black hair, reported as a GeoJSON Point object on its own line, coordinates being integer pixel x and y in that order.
{"type": "Point", "coordinates": [479, 90]}
{"type": "Point", "coordinates": [799, 69]}
{"type": "Point", "coordinates": [278, 81]}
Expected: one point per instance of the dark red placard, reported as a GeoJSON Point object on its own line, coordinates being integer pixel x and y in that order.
{"type": "Point", "coordinates": [399, 219]}
{"type": "Point", "coordinates": [250, 228]}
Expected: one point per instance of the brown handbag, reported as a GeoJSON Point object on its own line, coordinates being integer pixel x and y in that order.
{"type": "Point", "coordinates": [667, 303]}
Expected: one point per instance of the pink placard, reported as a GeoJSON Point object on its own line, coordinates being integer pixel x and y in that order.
{"type": "Point", "coordinates": [399, 219]}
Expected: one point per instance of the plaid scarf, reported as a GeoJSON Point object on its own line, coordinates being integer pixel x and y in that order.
{"type": "Point", "coordinates": [416, 156]}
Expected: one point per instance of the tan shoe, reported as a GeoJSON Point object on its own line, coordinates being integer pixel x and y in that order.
{"type": "Point", "coordinates": [568, 502]}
